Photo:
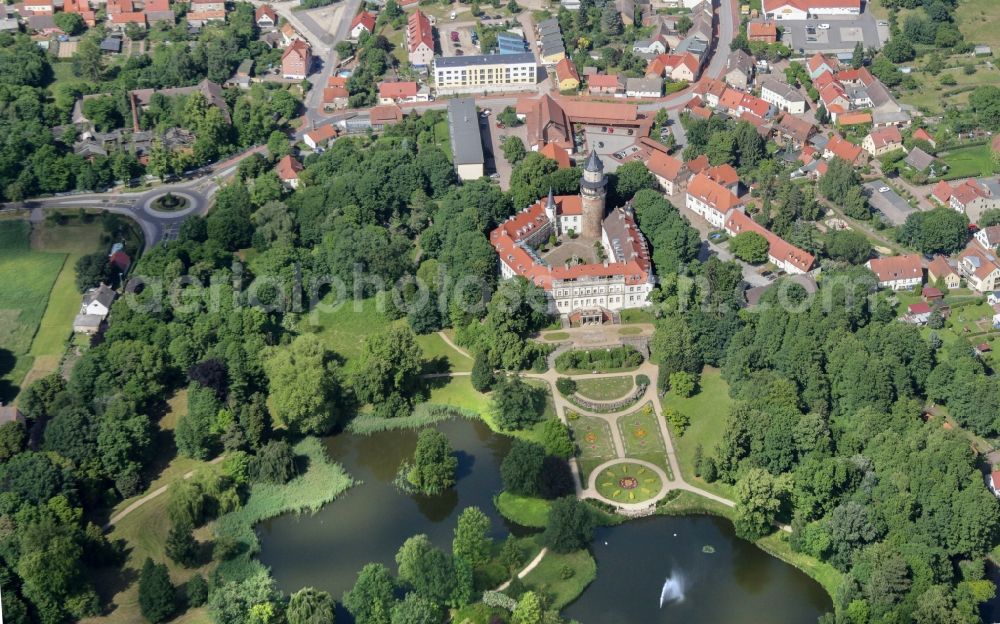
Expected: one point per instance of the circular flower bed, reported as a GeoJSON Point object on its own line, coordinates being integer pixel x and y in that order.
{"type": "Point", "coordinates": [591, 437]}
{"type": "Point", "coordinates": [627, 482]}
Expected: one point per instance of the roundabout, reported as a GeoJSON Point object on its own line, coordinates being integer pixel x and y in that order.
{"type": "Point", "coordinates": [170, 204]}
{"type": "Point", "coordinates": [626, 482]}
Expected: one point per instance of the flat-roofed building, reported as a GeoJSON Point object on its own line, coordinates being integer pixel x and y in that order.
{"type": "Point", "coordinates": [485, 73]}
{"type": "Point", "coordinates": [466, 142]}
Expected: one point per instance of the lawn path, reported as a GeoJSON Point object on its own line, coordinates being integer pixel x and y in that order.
{"type": "Point", "coordinates": [115, 519]}
{"type": "Point", "coordinates": [454, 346]}
{"type": "Point", "coordinates": [527, 569]}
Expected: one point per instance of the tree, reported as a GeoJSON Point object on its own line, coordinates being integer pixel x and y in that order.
{"type": "Point", "coordinates": [515, 405]}
{"type": "Point", "coordinates": [196, 591]}
{"type": "Point", "coordinates": [683, 383]}
{"type": "Point", "coordinates": [521, 469]}
{"type": "Point", "coordinates": [529, 607]}
{"type": "Point", "coordinates": [70, 23]}
{"type": "Point", "coordinates": [472, 542]}
{"type": "Point", "coordinates": [556, 439]}
{"type": "Point", "coordinates": [758, 500]}
{"type": "Point", "coordinates": [822, 116]}
{"type": "Point", "coordinates": [941, 230]}
{"type": "Point", "coordinates": [274, 463]}
{"type": "Point", "coordinates": [750, 247]}
{"type": "Point", "coordinates": [13, 438]}
{"type": "Point", "coordinates": [305, 384]}
{"type": "Point", "coordinates": [556, 479]}
{"type": "Point", "coordinates": [181, 545]}
{"type": "Point", "coordinates": [156, 593]}
{"type": "Point", "coordinates": [415, 609]}
{"type": "Point", "coordinates": [848, 246]}
{"type": "Point", "coordinates": [310, 606]}
{"type": "Point", "coordinates": [434, 463]}
{"type": "Point", "coordinates": [513, 149]}
{"type": "Point", "coordinates": [374, 593]}
{"type": "Point", "coordinates": [93, 270]}
{"type": "Point", "coordinates": [898, 50]}
{"type": "Point", "coordinates": [631, 177]}
{"type": "Point", "coordinates": [390, 364]}
{"type": "Point", "coordinates": [483, 377]}
{"type": "Point", "coordinates": [858, 56]}
{"type": "Point", "coordinates": [426, 568]}
{"type": "Point", "coordinates": [570, 525]}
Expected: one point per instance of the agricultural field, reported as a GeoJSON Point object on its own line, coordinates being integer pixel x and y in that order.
{"type": "Point", "coordinates": [28, 276]}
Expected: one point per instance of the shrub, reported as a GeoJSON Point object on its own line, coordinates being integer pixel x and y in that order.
{"type": "Point", "coordinates": [677, 420]}
{"type": "Point", "coordinates": [570, 527]}
{"type": "Point", "coordinates": [599, 359]}
{"type": "Point", "coordinates": [641, 380]}
{"type": "Point", "coordinates": [565, 386]}
{"type": "Point", "coordinates": [556, 439]}
{"type": "Point", "coordinates": [683, 383]}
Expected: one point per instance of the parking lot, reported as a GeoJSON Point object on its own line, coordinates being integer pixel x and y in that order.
{"type": "Point", "coordinates": [606, 143]}
{"type": "Point", "coordinates": [888, 202]}
{"type": "Point", "coordinates": [842, 34]}
{"type": "Point", "coordinates": [464, 46]}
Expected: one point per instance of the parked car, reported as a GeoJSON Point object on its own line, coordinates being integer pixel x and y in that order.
{"type": "Point", "coordinates": [883, 189]}
{"type": "Point", "coordinates": [459, 53]}
{"type": "Point", "coordinates": [454, 35]}
{"type": "Point", "coordinates": [453, 15]}
{"type": "Point", "coordinates": [824, 27]}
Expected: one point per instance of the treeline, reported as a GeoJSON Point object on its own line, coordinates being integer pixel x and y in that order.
{"type": "Point", "coordinates": [827, 433]}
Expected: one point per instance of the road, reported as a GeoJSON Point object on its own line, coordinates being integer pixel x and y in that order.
{"type": "Point", "coordinates": [156, 225]}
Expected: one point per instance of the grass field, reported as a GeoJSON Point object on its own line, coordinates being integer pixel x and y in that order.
{"type": "Point", "coordinates": [593, 440]}
{"type": "Point", "coordinates": [524, 510]}
{"type": "Point", "coordinates": [708, 411]}
{"type": "Point", "coordinates": [968, 162]}
{"type": "Point", "coordinates": [641, 435]}
{"type": "Point", "coordinates": [441, 357]}
{"type": "Point", "coordinates": [442, 138]}
{"type": "Point", "coordinates": [628, 483]}
{"type": "Point", "coordinates": [27, 276]}
{"type": "Point", "coordinates": [605, 388]}
{"type": "Point", "coordinates": [548, 579]}
{"type": "Point", "coordinates": [56, 327]}
{"type": "Point", "coordinates": [345, 328]}
{"type": "Point", "coordinates": [978, 19]}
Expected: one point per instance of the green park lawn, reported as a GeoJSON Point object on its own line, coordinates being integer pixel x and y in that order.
{"type": "Point", "coordinates": [605, 388]}
{"type": "Point", "coordinates": [524, 510]}
{"type": "Point", "coordinates": [968, 162]}
{"type": "Point", "coordinates": [442, 357]}
{"type": "Point", "coordinates": [345, 328]}
{"type": "Point", "coordinates": [28, 276]}
{"type": "Point", "coordinates": [442, 137]}
{"type": "Point", "coordinates": [641, 435]}
{"type": "Point", "coordinates": [593, 440]}
{"type": "Point", "coordinates": [628, 483]}
{"type": "Point", "coordinates": [548, 580]}
{"type": "Point", "coordinates": [708, 411]}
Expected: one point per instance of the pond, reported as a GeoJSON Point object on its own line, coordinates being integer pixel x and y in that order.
{"type": "Point", "coordinates": [643, 560]}
{"type": "Point", "coordinates": [737, 583]}
{"type": "Point", "coordinates": [372, 520]}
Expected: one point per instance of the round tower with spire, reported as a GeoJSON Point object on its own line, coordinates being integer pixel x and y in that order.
{"type": "Point", "coordinates": [593, 194]}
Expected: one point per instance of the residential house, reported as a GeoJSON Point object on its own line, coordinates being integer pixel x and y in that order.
{"type": "Point", "coordinates": [739, 70]}
{"type": "Point", "coordinates": [762, 31]}
{"type": "Point", "coordinates": [159, 11]}
{"type": "Point", "coordinates": [289, 34]}
{"type": "Point", "coordinates": [725, 175]}
{"type": "Point", "coordinates": [710, 91]}
{"type": "Point", "coordinates": [122, 20]}
{"type": "Point", "coordinates": [922, 135]}
{"type": "Point", "coordinates": [94, 309]}
{"type": "Point", "coordinates": [288, 169]}
{"type": "Point", "coordinates": [669, 172]}
{"type": "Point", "coordinates": [556, 153]}
{"type": "Point", "coordinates": [481, 73]}
{"type": "Point", "coordinates": [81, 8]}
{"type": "Point", "coordinates": [649, 47]}
{"type": "Point", "coordinates": [643, 87]}
{"type": "Point", "coordinates": [402, 92]}
{"type": "Point", "coordinates": [989, 237]}
{"type": "Point", "coordinates": [792, 130]}
{"type": "Point", "coordinates": [335, 94]}
{"type": "Point", "coordinates": [320, 137]}
{"type": "Point", "coordinates": [972, 198]}
{"type": "Point", "coordinates": [37, 7]}
{"type": "Point", "coordinates": [780, 253]}
{"type": "Point", "coordinates": [296, 61]}
{"type": "Point", "coordinates": [919, 159]}
{"type": "Point", "coordinates": [363, 22]}
{"type": "Point", "coordinates": [897, 272]}
{"type": "Point", "coordinates": [384, 115]}
{"type": "Point", "coordinates": [265, 17]}
{"type": "Point", "coordinates": [604, 84]}
{"type": "Point", "coordinates": [118, 259]}
{"type": "Point", "coordinates": [818, 64]}
{"type": "Point", "coordinates": [737, 102]}
{"type": "Point", "coordinates": [678, 67]}
{"type": "Point", "coordinates": [838, 147]}
{"type": "Point", "coordinates": [883, 141]}
{"type": "Point", "coordinates": [980, 268]}
{"type": "Point", "coordinates": [566, 75]}
{"type": "Point", "coordinates": [419, 39]}
{"type": "Point", "coordinates": [783, 96]}
{"type": "Point", "coordinates": [994, 482]}
{"type": "Point", "coordinates": [710, 200]}
{"type": "Point", "coordinates": [940, 270]}
{"type": "Point", "coordinates": [200, 18]}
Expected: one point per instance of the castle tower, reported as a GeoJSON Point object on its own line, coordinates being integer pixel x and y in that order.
{"type": "Point", "coordinates": [593, 194]}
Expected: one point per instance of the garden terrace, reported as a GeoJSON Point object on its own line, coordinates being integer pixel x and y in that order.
{"type": "Point", "coordinates": [607, 360]}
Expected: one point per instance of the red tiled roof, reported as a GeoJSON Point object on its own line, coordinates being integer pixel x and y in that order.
{"type": "Point", "coordinates": [712, 193]}
{"type": "Point", "coordinates": [724, 174]}
{"type": "Point", "coordinates": [556, 153]}
{"type": "Point", "coordinates": [919, 308]}
{"type": "Point", "coordinates": [922, 135]}
{"type": "Point", "coordinates": [565, 70]}
{"type": "Point", "coordinates": [365, 19]}
{"type": "Point", "coordinates": [765, 30]}
{"type": "Point", "coordinates": [337, 81]}
{"type": "Point", "coordinates": [334, 93]}
{"type": "Point", "coordinates": [664, 166]}
{"type": "Point", "coordinates": [771, 6]}
{"type": "Point", "coordinates": [855, 119]}
{"type": "Point", "coordinates": [698, 164]}
{"type": "Point", "coordinates": [603, 81]}
{"type": "Point", "coordinates": [134, 17]}
{"type": "Point", "coordinates": [397, 90]}
{"type": "Point", "coordinates": [418, 30]}
{"type": "Point", "coordinates": [895, 268]}
{"type": "Point", "coordinates": [818, 60]}
{"type": "Point", "coordinates": [778, 248]}
{"type": "Point", "coordinates": [939, 267]}
{"type": "Point", "coordinates": [298, 47]}
{"type": "Point", "coordinates": [288, 168]}
{"type": "Point", "coordinates": [216, 14]}
{"type": "Point", "coordinates": [844, 149]}
{"type": "Point", "coordinates": [322, 134]}
{"type": "Point", "coordinates": [883, 137]}
{"type": "Point", "coordinates": [968, 191]}
{"type": "Point", "coordinates": [385, 114]}
{"type": "Point", "coordinates": [265, 9]}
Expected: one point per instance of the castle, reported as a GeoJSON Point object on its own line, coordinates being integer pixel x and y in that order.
{"type": "Point", "coordinates": [586, 293]}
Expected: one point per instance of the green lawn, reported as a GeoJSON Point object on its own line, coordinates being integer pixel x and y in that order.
{"type": "Point", "coordinates": [548, 579]}
{"type": "Point", "coordinates": [708, 411]}
{"type": "Point", "coordinates": [968, 162]}
{"type": "Point", "coordinates": [458, 391]}
{"type": "Point", "coordinates": [441, 357]}
{"type": "Point", "coordinates": [593, 440]}
{"type": "Point", "coordinates": [524, 510]}
{"type": "Point", "coordinates": [637, 315]}
{"type": "Point", "coordinates": [978, 19]}
{"type": "Point", "coordinates": [442, 138]}
{"type": "Point", "coordinates": [27, 276]}
{"type": "Point", "coordinates": [628, 483]}
{"type": "Point", "coordinates": [605, 388]}
{"type": "Point", "coordinates": [345, 328]}
{"type": "Point", "coordinates": [641, 435]}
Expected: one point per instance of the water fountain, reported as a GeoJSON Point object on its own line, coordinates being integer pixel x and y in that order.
{"type": "Point", "coordinates": [673, 589]}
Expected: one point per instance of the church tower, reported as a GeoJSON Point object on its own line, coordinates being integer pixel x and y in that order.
{"type": "Point", "coordinates": [593, 194]}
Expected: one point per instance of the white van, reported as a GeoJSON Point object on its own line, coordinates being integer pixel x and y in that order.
{"type": "Point", "coordinates": [454, 15]}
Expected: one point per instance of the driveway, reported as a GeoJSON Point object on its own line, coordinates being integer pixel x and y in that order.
{"type": "Point", "coordinates": [888, 202]}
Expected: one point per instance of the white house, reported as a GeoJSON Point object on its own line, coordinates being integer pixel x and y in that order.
{"type": "Point", "coordinates": [643, 87]}
{"type": "Point", "coordinates": [94, 309]}
{"type": "Point", "coordinates": [993, 481]}
{"type": "Point", "coordinates": [710, 200]}
{"type": "Point", "coordinates": [783, 97]}
{"type": "Point", "coordinates": [897, 272]}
